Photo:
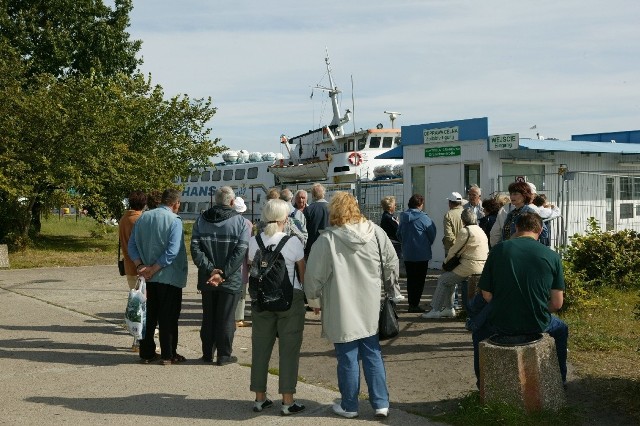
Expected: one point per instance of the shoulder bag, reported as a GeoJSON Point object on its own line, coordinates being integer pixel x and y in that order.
{"type": "Point", "coordinates": [388, 326]}
{"type": "Point", "coordinates": [452, 263]}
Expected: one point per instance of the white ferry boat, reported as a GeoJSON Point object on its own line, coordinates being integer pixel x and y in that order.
{"type": "Point", "coordinates": [327, 154]}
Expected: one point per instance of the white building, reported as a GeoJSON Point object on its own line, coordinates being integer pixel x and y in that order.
{"type": "Point", "coordinates": [585, 176]}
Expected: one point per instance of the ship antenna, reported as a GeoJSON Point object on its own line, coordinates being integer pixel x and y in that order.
{"type": "Point", "coordinates": [392, 116]}
{"type": "Point", "coordinates": [353, 107]}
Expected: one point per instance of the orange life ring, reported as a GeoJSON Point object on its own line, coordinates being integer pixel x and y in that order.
{"type": "Point", "coordinates": [355, 158]}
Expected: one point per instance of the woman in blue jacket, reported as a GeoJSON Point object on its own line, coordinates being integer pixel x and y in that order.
{"type": "Point", "coordinates": [416, 232]}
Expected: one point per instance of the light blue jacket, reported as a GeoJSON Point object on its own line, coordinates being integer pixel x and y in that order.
{"type": "Point", "coordinates": [157, 237]}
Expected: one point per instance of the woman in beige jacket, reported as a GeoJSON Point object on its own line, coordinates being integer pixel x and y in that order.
{"type": "Point", "coordinates": [343, 270]}
{"type": "Point", "coordinates": [471, 242]}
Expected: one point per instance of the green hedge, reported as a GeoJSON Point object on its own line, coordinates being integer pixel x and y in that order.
{"type": "Point", "coordinates": [599, 259]}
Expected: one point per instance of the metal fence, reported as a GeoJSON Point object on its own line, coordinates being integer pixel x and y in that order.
{"type": "Point", "coordinates": [369, 194]}
{"type": "Point", "coordinates": [612, 198]}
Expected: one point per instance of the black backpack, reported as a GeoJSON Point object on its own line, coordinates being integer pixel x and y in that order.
{"type": "Point", "coordinates": [269, 285]}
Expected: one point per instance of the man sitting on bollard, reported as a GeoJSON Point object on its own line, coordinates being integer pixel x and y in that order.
{"type": "Point", "coordinates": [523, 281]}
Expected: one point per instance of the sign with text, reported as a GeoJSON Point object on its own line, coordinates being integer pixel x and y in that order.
{"type": "Point", "coordinates": [442, 151]}
{"type": "Point", "coordinates": [445, 134]}
{"type": "Point", "coordinates": [502, 142]}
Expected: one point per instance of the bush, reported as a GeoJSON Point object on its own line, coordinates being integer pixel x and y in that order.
{"type": "Point", "coordinates": [601, 259]}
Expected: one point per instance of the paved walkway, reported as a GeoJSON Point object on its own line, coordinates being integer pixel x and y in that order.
{"type": "Point", "coordinates": [65, 358]}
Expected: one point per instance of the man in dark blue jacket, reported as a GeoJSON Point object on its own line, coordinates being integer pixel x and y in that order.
{"type": "Point", "coordinates": [219, 242]}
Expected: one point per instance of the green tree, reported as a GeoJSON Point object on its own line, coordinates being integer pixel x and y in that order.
{"type": "Point", "coordinates": [67, 37]}
{"type": "Point", "coordinates": [96, 130]}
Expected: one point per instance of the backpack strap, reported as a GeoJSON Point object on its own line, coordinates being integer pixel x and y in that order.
{"type": "Point", "coordinates": [276, 251]}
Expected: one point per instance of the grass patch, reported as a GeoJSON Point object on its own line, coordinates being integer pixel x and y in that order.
{"type": "Point", "coordinates": [472, 412]}
{"type": "Point", "coordinates": [604, 347]}
{"type": "Point", "coordinates": [74, 241]}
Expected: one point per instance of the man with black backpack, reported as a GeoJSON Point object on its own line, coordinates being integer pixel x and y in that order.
{"type": "Point", "coordinates": [218, 245]}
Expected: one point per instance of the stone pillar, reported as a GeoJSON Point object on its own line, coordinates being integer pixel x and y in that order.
{"type": "Point", "coordinates": [4, 256]}
{"type": "Point", "coordinates": [523, 374]}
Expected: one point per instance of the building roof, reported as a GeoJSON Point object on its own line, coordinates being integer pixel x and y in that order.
{"type": "Point", "coordinates": [580, 146]}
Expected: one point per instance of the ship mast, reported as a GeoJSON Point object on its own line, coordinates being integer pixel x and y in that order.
{"type": "Point", "coordinates": [333, 94]}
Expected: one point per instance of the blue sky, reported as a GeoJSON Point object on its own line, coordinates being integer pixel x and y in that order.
{"type": "Point", "coordinates": [567, 66]}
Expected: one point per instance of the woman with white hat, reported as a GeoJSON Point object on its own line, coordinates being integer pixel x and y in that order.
{"type": "Point", "coordinates": [240, 206]}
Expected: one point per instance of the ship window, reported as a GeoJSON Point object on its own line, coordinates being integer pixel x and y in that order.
{"type": "Point", "coordinates": [195, 177]}
{"type": "Point", "coordinates": [228, 175]}
{"type": "Point", "coordinates": [374, 142]}
{"type": "Point", "coordinates": [341, 169]}
{"type": "Point", "coordinates": [203, 206]}
{"type": "Point", "coordinates": [216, 175]}
{"type": "Point", "coordinates": [206, 176]}
{"type": "Point", "coordinates": [189, 207]}
{"type": "Point", "coordinates": [362, 143]}
{"type": "Point", "coordinates": [345, 147]}
{"type": "Point", "coordinates": [351, 145]}
{"type": "Point", "coordinates": [398, 140]}
{"type": "Point", "coordinates": [240, 174]}
{"type": "Point", "coordinates": [252, 173]}
{"type": "Point", "coordinates": [387, 141]}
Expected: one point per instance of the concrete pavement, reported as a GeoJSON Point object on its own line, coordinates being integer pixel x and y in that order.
{"type": "Point", "coordinates": [65, 358]}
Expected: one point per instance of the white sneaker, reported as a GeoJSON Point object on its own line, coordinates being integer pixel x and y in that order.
{"type": "Point", "coordinates": [382, 412]}
{"type": "Point", "coordinates": [337, 408]}
{"type": "Point", "coordinates": [433, 313]}
{"type": "Point", "coordinates": [399, 298]}
{"type": "Point", "coordinates": [448, 313]}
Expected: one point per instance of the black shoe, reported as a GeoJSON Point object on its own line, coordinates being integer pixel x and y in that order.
{"type": "Point", "coordinates": [261, 405]}
{"type": "Point", "coordinates": [206, 359]}
{"type": "Point", "coordinates": [415, 310]}
{"type": "Point", "coordinates": [227, 360]}
{"type": "Point", "coordinates": [294, 408]}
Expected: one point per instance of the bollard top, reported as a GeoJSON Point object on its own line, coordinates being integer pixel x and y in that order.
{"type": "Point", "coordinates": [517, 340]}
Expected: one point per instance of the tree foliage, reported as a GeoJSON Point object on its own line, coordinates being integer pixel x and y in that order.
{"type": "Point", "coordinates": [70, 37]}
{"type": "Point", "coordinates": [87, 131]}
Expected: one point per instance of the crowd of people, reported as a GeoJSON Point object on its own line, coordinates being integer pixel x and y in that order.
{"type": "Point", "coordinates": [337, 263]}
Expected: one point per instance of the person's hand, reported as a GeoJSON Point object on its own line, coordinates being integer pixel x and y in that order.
{"type": "Point", "coordinates": [216, 278]}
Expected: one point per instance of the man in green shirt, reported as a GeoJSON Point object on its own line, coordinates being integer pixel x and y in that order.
{"type": "Point", "coordinates": [523, 282]}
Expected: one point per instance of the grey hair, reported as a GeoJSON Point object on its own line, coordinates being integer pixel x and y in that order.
{"type": "Point", "coordinates": [170, 197]}
{"type": "Point", "coordinates": [224, 196]}
{"type": "Point", "coordinates": [469, 217]}
{"type": "Point", "coordinates": [317, 191]}
{"type": "Point", "coordinates": [274, 210]}
{"type": "Point", "coordinates": [477, 188]}
{"type": "Point", "coordinates": [286, 195]}
{"type": "Point", "coordinates": [301, 191]}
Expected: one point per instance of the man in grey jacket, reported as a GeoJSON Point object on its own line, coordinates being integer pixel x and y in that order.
{"type": "Point", "coordinates": [218, 245]}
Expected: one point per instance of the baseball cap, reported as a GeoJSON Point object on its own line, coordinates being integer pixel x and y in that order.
{"type": "Point", "coordinates": [239, 205]}
{"type": "Point", "coordinates": [455, 197]}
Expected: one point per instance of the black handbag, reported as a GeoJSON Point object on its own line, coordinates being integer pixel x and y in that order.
{"type": "Point", "coordinates": [388, 326]}
{"type": "Point", "coordinates": [452, 263]}
{"type": "Point", "coordinates": [120, 262]}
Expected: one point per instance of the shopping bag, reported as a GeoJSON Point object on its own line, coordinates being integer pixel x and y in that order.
{"type": "Point", "coordinates": [388, 326]}
{"type": "Point", "coordinates": [136, 313]}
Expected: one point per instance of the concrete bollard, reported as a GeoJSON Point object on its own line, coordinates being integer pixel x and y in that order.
{"type": "Point", "coordinates": [4, 256]}
{"type": "Point", "coordinates": [523, 373]}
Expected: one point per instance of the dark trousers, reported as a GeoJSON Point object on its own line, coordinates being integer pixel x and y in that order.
{"type": "Point", "coordinates": [218, 323]}
{"type": "Point", "coordinates": [416, 274]}
{"type": "Point", "coordinates": [164, 303]}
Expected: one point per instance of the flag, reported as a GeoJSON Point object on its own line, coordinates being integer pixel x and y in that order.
{"type": "Point", "coordinates": [533, 127]}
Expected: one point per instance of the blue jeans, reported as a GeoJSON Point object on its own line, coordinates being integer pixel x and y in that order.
{"type": "Point", "coordinates": [348, 354]}
{"type": "Point", "coordinates": [556, 329]}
